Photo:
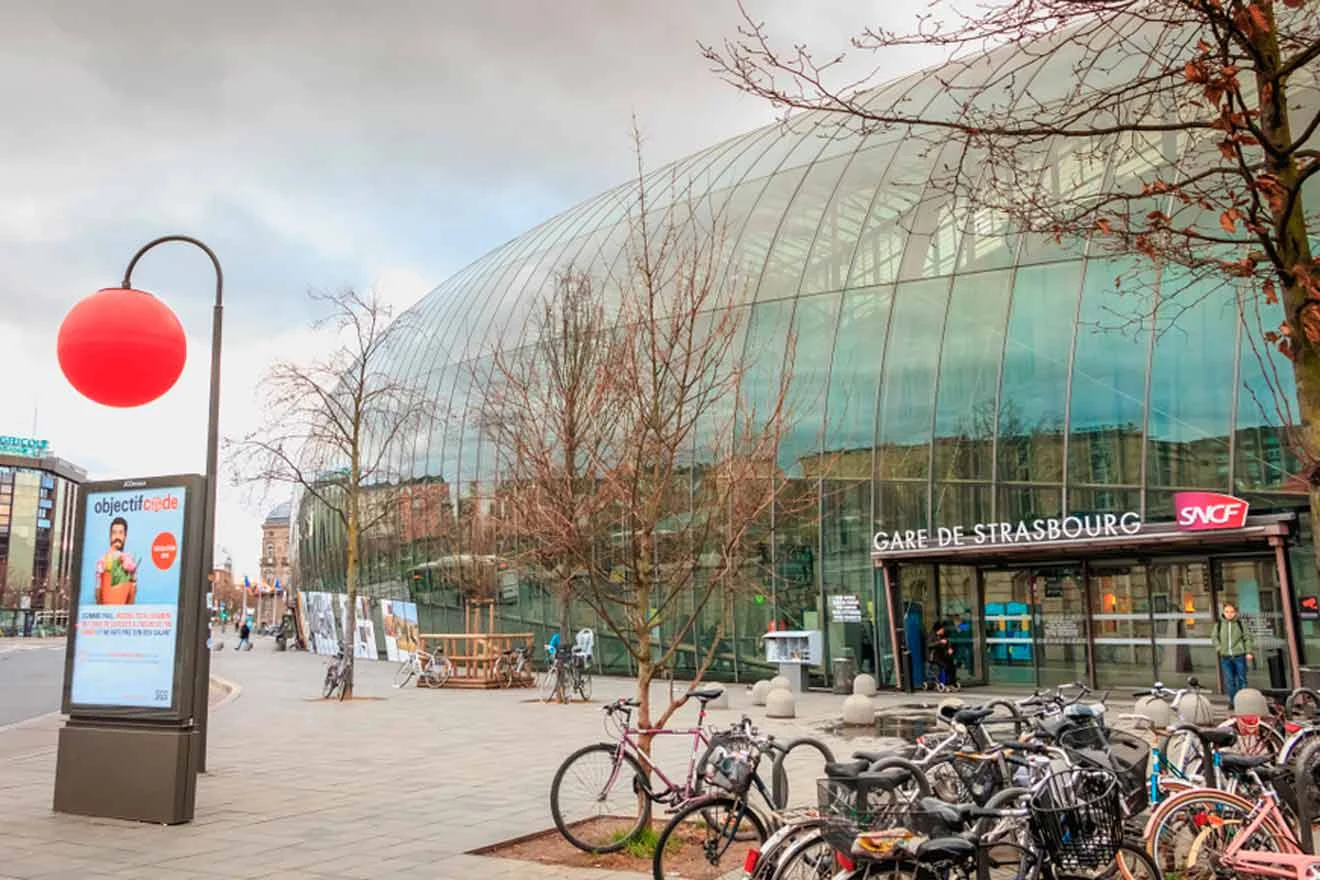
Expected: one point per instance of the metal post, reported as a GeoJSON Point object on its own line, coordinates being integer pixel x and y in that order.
{"type": "Point", "coordinates": [1289, 609]}
{"type": "Point", "coordinates": [201, 689]}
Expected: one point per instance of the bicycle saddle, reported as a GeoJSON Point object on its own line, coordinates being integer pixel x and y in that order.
{"type": "Point", "coordinates": [946, 849]}
{"type": "Point", "coordinates": [846, 769]}
{"type": "Point", "coordinates": [1279, 694]}
{"type": "Point", "coordinates": [884, 780]}
{"type": "Point", "coordinates": [1217, 737]}
{"type": "Point", "coordinates": [706, 694]}
{"type": "Point", "coordinates": [907, 750]}
{"type": "Point", "coordinates": [972, 716]}
{"type": "Point", "coordinates": [1233, 763]}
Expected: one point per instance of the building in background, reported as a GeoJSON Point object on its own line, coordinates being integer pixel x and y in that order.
{"type": "Point", "coordinates": [275, 548]}
{"type": "Point", "coordinates": [38, 503]}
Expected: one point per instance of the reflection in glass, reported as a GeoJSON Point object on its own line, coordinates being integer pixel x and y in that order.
{"type": "Point", "coordinates": [908, 387]}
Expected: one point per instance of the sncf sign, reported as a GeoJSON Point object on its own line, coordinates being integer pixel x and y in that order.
{"type": "Point", "coordinates": [1197, 511]}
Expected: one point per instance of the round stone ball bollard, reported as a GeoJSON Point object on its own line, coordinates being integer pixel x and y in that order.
{"type": "Point", "coordinates": [760, 691]}
{"type": "Point", "coordinates": [1250, 701]}
{"type": "Point", "coordinates": [858, 710]}
{"type": "Point", "coordinates": [1196, 709]}
{"type": "Point", "coordinates": [864, 685]}
{"type": "Point", "coordinates": [1155, 709]}
{"type": "Point", "coordinates": [780, 681]}
{"type": "Point", "coordinates": [779, 703]}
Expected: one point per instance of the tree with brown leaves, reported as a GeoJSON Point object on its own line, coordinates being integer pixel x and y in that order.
{"type": "Point", "coordinates": [1182, 131]}
{"type": "Point", "coordinates": [333, 428]}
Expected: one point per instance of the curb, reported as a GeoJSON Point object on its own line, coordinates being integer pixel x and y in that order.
{"type": "Point", "coordinates": [234, 691]}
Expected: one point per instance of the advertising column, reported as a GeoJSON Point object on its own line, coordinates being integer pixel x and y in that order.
{"type": "Point", "coordinates": [131, 655]}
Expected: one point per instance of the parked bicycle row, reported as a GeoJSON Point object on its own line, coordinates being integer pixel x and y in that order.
{"type": "Point", "coordinates": [1033, 789]}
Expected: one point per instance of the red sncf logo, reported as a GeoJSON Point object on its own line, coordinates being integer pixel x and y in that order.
{"type": "Point", "coordinates": [1196, 511]}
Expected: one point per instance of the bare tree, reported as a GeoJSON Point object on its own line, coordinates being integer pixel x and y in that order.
{"type": "Point", "coordinates": [333, 426]}
{"type": "Point", "coordinates": [635, 461]}
{"type": "Point", "coordinates": [1183, 131]}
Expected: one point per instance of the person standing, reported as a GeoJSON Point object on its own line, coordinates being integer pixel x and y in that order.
{"type": "Point", "coordinates": [1235, 647]}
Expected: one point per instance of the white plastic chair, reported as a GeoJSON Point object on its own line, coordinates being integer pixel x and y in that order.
{"type": "Point", "coordinates": [583, 645]}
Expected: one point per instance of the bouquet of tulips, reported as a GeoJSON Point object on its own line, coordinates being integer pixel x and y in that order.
{"type": "Point", "coordinates": [121, 565]}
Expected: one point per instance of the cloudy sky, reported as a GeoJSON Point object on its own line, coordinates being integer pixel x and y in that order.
{"type": "Point", "coordinates": [316, 144]}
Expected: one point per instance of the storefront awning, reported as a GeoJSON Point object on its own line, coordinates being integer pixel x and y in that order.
{"type": "Point", "coordinates": [1009, 543]}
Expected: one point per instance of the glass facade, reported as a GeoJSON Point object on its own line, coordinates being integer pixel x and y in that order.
{"type": "Point", "coordinates": [947, 371]}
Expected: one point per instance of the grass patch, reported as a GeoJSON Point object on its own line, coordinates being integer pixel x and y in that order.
{"type": "Point", "coordinates": [643, 845]}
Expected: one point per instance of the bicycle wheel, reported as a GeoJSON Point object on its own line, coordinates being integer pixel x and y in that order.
{"type": "Point", "coordinates": [776, 848]}
{"type": "Point", "coordinates": [407, 669]}
{"type": "Point", "coordinates": [582, 684]}
{"type": "Point", "coordinates": [581, 804]}
{"type": "Point", "coordinates": [1132, 862]}
{"type": "Point", "coordinates": [722, 828]}
{"type": "Point", "coordinates": [344, 674]}
{"type": "Point", "coordinates": [1303, 705]}
{"type": "Point", "coordinates": [808, 857]}
{"type": "Point", "coordinates": [504, 672]}
{"type": "Point", "coordinates": [331, 682]}
{"type": "Point", "coordinates": [1188, 830]}
{"type": "Point", "coordinates": [1254, 739]}
{"type": "Point", "coordinates": [1185, 754]}
{"type": "Point", "coordinates": [442, 669]}
{"type": "Point", "coordinates": [550, 683]}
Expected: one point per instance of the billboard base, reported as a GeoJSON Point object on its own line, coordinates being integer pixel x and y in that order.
{"type": "Point", "coordinates": [126, 771]}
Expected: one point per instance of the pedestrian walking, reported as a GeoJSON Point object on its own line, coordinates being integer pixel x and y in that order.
{"type": "Point", "coordinates": [1235, 647]}
{"type": "Point", "coordinates": [244, 637]}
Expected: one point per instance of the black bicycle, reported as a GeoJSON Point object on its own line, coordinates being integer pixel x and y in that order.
{"type": "Point", "coordinates": [336, 677]}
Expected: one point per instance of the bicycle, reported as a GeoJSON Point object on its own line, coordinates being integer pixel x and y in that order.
{"type": "Point", "coordinates": [514, 665]}
{"type": "Point", "coordinates": [431, 670]}
{"type": "Point", "coordinates": [336, 677]}
{"type": "Point", "coordinates": [601, 827]}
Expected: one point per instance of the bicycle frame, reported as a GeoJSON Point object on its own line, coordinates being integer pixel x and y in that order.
{"type": "Point", "coordinates": [628, 744]}
{"type": "Point", "coordinates": [1290, 863]}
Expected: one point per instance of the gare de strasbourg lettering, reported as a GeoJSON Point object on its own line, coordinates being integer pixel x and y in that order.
{"type": "Point", "coordinates": [1193, 511]}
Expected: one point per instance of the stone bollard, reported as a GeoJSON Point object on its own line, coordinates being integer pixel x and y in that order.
{"type": "Point", "coordinates": [779, 703]}
{"type": "Point", "coordinates": [864, 685]}
{"type": "Point", "coordinates": [1196, 709]}
{"type": "Point", "coordinates": [759, 692]}
{"type": "Point", "coordinates": [1156, 710]}
{"type": "Point", "coordinates": [781, 681]}
{"type": "Point", "coordinates": [720, 702]}
{"type": "Point", "coordinates": [1250, 701]}
{"type": "Point", "coordinates": [858, 710]}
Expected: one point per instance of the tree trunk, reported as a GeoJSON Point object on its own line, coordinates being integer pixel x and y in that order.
{"type": "Point", "coordinates": [350, 613]}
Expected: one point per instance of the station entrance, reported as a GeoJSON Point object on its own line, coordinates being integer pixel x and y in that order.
{"type": "Point", "coordinates": [1116, 613]}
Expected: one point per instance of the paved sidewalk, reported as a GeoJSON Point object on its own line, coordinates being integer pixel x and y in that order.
{"type": "Point", "coordinates": [401, 785]}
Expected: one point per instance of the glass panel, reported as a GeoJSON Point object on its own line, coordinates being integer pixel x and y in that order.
{"type": "Point", "coordinates": [1120, 614]}
{"type": "Point", "coordinates": [855, 376]}
{"type": "Point", "coordinates": [1094, 500]}
{"type": "Point", "coordinates": [813, 326]}
{"type": "Point", "coordinates": [766, 342]}
{"type": "Point", "coordinates": [1011, 655]}
{"type": "Point", "coordinates": [900, 506]}
{"type": "Point", "coordinates": [1060, 625]}
{"type": "Point", "coordinates": [1109, 375]}
{"type": "Point", "coordinates": [960, 609]}
{"type": "Point", "coordinates": [968, 379]}
{"type": "Point", "coordinates": [1306, 584]}
{"type": "Point", "coordinates": [1033, 393]}
{"type": "Point", "coordinates": [1267, 399]}
{"type": "Point", "coordinates": [1027, 502]}
{"type": "Point", "coordinates": [1182, 608]}
{"type": "Point", "coordinates": [846, 567]}
{"type": "Point", "coordinates": [1191, 385]}
{"type": "Point", "coordinates": [961, 504]}
{"type": "Point", "coordinates": [1252, 585]}
{"type": "Point", "coordinates": [908, 386]}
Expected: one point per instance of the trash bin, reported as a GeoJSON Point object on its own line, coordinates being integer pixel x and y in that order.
{"type": "Point", "coordinates": [1311, 677]}
{"type": "Point", "coordinates": [1278, 675]}
{"type": "Point", "coordinates": [845, 670]}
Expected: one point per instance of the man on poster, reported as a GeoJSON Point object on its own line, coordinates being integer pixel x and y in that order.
{"type": "Point", "coordinates": [116, 571]}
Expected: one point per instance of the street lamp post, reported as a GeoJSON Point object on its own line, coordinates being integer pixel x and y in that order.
{"type": "Point", "coordinates": [201, 702]}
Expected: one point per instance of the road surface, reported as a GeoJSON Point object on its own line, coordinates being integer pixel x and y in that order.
{"type": "Point", "coordinates": [31, 675]}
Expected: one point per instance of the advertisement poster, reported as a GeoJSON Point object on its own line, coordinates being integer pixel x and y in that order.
{"type": "Point", "coordinates": [364, 639]}
{"type": "Point", "coordinates": [128, 598]}
{"type": "Point", "coordinates": [400, 621]}
{"type": "Point", "coordinates": [321, 622]}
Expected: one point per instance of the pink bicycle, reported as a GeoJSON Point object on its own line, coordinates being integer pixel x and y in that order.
{"type": "Point", "coordinates": [601, 795]}
{"type": "Point", "coordinates": [1208, 834]}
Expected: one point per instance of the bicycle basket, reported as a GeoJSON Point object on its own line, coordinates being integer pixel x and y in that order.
{"type": "Point", "coordinates": [731, 771]}
{"type": "Point", "coordinates": [1087, 734]}
{"type": "Point", "coordinates": [1077, 816]}
{"type": "Point", "coordinates": [854, 805]}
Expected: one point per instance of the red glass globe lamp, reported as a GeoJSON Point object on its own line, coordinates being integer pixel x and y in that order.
{"type": "Point", "coordinates": [122, 347]}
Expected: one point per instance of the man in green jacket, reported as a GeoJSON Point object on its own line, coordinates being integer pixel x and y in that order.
{"type": "Point", "coordinates": [1235, 647]}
